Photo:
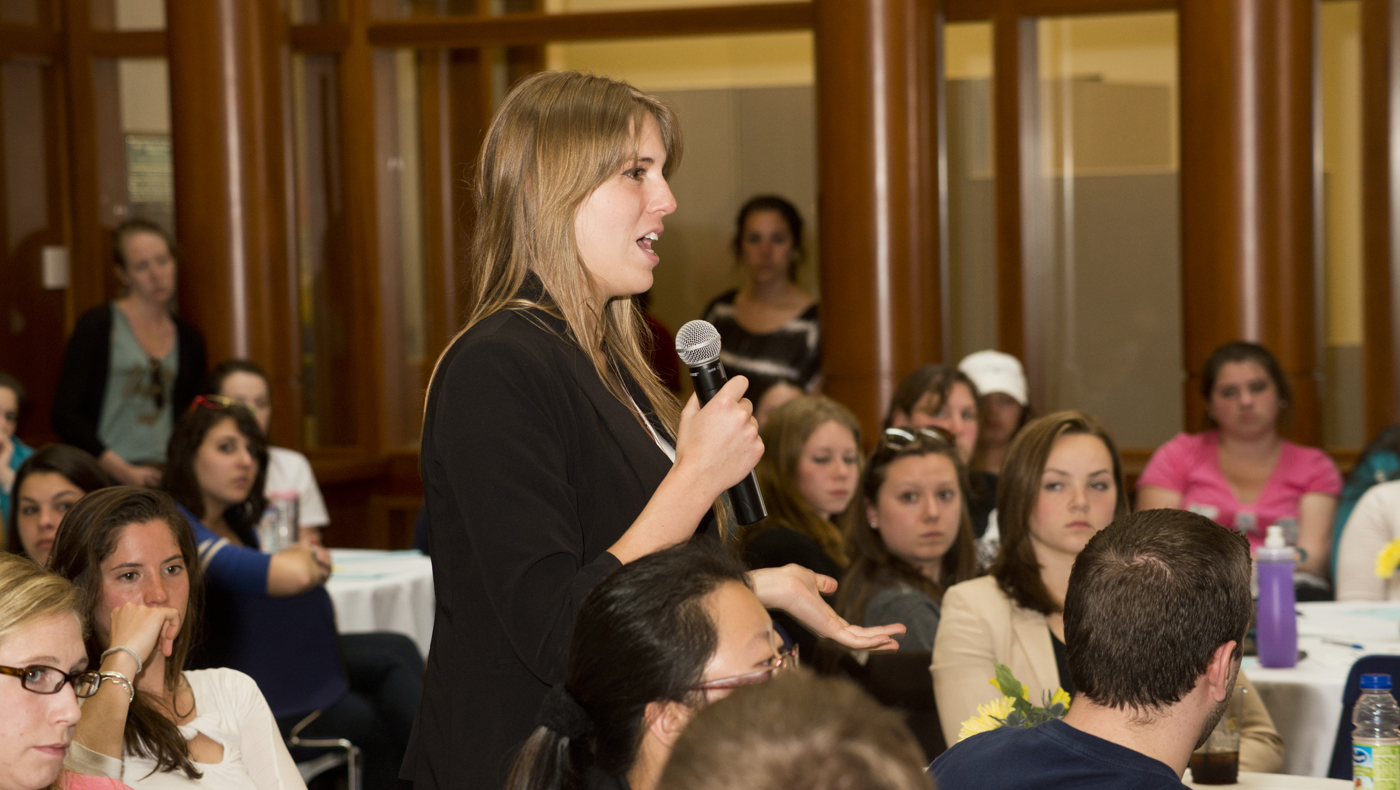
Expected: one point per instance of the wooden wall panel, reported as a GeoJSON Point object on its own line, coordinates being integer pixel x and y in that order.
{"type": "Point", "coordinates": [1380, 186]}
{"type": "Point", "coordinates": [877, 187]}
{"type": "Point", "coordinates": [1247, 188]}
{"type": "Point", "coordinates": [231, 216]}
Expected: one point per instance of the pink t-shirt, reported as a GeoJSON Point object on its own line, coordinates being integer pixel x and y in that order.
{"type": "Point", "coordinates": [1190, 465]}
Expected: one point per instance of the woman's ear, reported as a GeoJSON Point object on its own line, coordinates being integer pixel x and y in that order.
{"type": "Point", "coordinates": [667, 719]}
{"type": "Point", "coordinates": [870, 515]}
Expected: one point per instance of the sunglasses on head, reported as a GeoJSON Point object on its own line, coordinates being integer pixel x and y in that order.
{"type": "Point", "coordinates": [216, 402]}
{"type": "Point", "coordinates": [899, 438]}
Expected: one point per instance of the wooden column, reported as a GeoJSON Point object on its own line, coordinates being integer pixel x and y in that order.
{"type": "Point", "coordinates": [1247, 184]}
{"type": "Point", "coordinates": [877, 187]}
{"type": "Point", "coordinates": [236, 281]}
{"type": "Point", "coordinates": [1380, 190]}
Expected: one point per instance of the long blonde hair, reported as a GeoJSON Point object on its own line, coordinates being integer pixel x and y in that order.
{"type": "Point", "coordinates": [33, 594]}
{"type": "Point", "coordinates": [784, 436]}
{"type": "Point", "coordinates": [557, 137]}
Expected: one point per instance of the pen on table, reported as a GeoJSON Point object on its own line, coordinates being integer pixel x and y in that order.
{"type": "Point", "coordinates": [1340, 643]}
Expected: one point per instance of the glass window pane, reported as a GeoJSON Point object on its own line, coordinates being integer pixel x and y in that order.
{"type": "Point", "coordinates": [970, 298]}
{"type": "Point", "coordinates": [1104, 262]}
{"type": "Point", "coordinates": [407, 353]}
{"type": "Point", "coordinates": [135, 176]}
{"type": "Point", "coordinates": [1343, 416]}
{"type": "Point", "coordinates": [128, 14]}
{"type": "Point", "coordinates": [747, 107]}
{"type": "Point", "coordinates": [325, 283]}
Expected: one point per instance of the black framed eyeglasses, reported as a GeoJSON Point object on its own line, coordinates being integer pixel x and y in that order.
{"type": "Point", "coordinates": [786, 659]}
{"type": "Point", "coordinates": [49, 680]}
{"type": "Point", "coordinates": [899, 438]}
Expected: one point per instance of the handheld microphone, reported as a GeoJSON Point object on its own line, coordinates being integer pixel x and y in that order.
{"type": "Point", "coordinates": [698, 346]}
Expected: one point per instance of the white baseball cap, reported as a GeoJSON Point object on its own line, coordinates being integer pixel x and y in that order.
{"type": "Point", "coordinates": [995, 371]}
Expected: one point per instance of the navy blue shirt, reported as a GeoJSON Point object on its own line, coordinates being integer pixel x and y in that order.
{"type": "Point", "coordinates": [1053, 754]}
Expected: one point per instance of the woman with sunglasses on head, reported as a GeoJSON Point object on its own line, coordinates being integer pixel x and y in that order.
{"type": "Point", "coordinates": [910, 539]}
{"type": "Point", "coordinates": [46, 487]}
{"type": "Point", "coordinates": [154, 724]}
{"type": "Point", "coordinates": [551, 452]}
{"type": "Point", "coordinates": [131, 366]}
{"type": "Point", "coordinates": [217, 454]}
{"type": "Point", "coordinates": [653, 642]}
{"type": "Point", "coordinates": [1062, 483]}
{"type": "Point", "coordinates": [944, 397]}
{"type": "Point", "coordinates": [244, 382]}
{"type": "Point", "coordinates": [43, 673]}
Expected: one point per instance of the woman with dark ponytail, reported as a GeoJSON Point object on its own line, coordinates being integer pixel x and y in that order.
{"type": "Point", "coordinates": [653, 642]}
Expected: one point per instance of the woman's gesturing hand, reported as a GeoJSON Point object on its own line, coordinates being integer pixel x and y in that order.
{"type": "Point", "coordinates": [798, 591]}
{"type": "Point", "coordinates": [718, 444]}
{"type": "Point", "coordinates": [145, 629]}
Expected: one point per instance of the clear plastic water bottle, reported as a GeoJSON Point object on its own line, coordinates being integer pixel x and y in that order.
{"type": "Point", "coordinates": [1278, 615]}
{"type": "Point", "coordinates": [1375, 738]}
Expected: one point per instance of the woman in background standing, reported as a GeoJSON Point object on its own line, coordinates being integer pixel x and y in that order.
{"type": "Point", "coordinates": [769, 326]}
{"type": "Point", "coordinates": [131, 365]}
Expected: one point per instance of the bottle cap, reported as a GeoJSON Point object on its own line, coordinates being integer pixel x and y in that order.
{"type": "Point", "coordinates": [1375, 682]}
{"type": "Point", "coordinates": [1275, 539]}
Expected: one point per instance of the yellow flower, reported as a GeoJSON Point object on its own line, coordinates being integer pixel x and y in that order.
{"type": "Point", "coordinates": [989, 717]}
{"type": "Point", "coordinates": [1059, 698]}
{"type": "Point", "coordinates": [1388, 559]}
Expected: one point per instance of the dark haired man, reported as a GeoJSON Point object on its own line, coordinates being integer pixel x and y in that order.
{"type": "Point", "coordinates": [1158, 603]}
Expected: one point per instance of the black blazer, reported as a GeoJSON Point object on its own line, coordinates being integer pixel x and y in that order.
{"type": "Point", "coordinates": [87, 361]}
{"type": "Point", "coordinates": [531, 470]}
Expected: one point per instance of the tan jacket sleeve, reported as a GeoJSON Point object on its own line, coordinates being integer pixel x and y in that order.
{"type": "Point", "coordinates": [1261, 748]}
{"type": "Point", "coordinates": [964, 655]}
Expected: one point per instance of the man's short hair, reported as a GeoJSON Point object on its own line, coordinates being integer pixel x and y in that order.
{"type": "Point", "coordinates": [1150, 600]}
{"type": "Point", "coordinates": [797, 730]}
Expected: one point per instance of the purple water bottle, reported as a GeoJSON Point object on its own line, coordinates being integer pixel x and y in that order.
{"type": "Point", "coordinates": [1278, 619]}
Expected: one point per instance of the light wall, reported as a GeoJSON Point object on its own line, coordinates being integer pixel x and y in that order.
{"type": "Point", "coordinates": [748, 118]}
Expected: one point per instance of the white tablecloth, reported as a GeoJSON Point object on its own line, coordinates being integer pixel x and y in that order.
{"type": "Point", "coordinates": [383, 591]}
{"type": "Point", "coordinates": [1251, 781]}
{"type": "Point", "coordinates": [1306, 701]}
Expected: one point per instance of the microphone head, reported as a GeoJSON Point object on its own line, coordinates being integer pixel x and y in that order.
{"type": "Point", "coordinates": [698, 343]}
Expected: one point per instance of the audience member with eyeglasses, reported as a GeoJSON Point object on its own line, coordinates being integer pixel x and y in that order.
{"type": "Point", "coordinates": [217, 461]}
{"type": "Point", "coordinates": [43, 673]}
{"type": "Point", "coordinates": [152, 723]}
{"type": "Point", "coordinates": [910, 537]}
{"type": "Point", "coordinates": [131, 366]}
{"type": "Point", "coordinates": [654, 641]}
{"type": "Point", "coordinates": [46, 488]}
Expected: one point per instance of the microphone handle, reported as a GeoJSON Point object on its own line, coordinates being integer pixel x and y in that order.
{"type": "Point", "coordinates": [744, 497]}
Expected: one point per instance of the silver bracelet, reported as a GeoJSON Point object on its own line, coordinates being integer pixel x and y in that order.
{"type": "Point", "coordinates": [117, 677]}
{"type": "Point", "coordinates": [123, 648]}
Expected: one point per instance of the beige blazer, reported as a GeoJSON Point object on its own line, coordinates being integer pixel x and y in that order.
{"type": "Point", "coordinates": [980, 626]}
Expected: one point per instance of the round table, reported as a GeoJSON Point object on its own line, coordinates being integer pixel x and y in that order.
{"type": "Point", "coordinates": [1305, 701]}
{"type": "Point", "coordinates": [383, 591]}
